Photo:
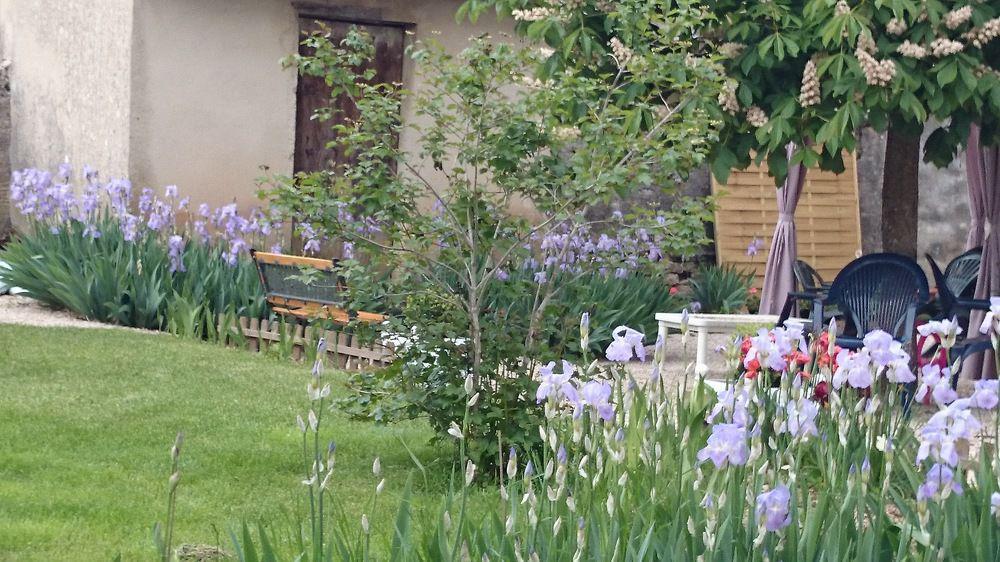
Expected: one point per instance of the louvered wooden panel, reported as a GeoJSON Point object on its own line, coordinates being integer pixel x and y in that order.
{"type": "Point", "coordinates": [827, 219]}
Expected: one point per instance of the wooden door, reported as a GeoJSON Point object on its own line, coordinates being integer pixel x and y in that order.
{"type": "Point", "coordinates": [311, 135]}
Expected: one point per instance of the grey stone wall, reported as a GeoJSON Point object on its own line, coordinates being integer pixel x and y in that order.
{"type": "Point", "coordinates": [5, 134]}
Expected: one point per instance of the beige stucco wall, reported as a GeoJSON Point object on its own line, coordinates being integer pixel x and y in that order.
{"type": "Point", "coordinates": [211, 103]}
{"type": "Point", "coordinates": [70, 82]}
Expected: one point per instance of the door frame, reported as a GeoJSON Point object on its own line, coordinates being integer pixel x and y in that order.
{"type": "Point", "coordinates": [348, 14]}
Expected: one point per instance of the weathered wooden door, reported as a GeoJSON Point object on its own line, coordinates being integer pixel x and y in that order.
{"type": "Point", "coordinates": [311, 135]}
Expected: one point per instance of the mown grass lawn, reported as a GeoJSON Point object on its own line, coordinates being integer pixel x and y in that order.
{"type": "Point", "coordinates": [87, 419]}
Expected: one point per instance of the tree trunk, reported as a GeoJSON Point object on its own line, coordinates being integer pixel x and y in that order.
{"type": "Point", "coordinates": [900, 192]}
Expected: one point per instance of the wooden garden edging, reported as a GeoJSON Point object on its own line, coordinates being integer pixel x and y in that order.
{"type": "Point", "coordinates": [343, 349]}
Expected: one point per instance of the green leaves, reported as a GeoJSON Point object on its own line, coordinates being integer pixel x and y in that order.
{"type": "Point", "coordinates": [116, 281]}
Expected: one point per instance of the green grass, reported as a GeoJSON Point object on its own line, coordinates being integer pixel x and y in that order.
{"type": "Point", "coordinates": [87, 419]}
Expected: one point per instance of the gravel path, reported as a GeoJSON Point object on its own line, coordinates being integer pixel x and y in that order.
{"type": "Point", "coordinates": [29, 312]}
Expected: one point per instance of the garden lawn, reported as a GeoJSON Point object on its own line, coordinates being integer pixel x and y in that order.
{"type": "Point", "coordinates": [87, 419]}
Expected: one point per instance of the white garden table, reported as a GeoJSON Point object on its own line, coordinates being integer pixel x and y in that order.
{"type": "Point", "coordinates": [705, 324]}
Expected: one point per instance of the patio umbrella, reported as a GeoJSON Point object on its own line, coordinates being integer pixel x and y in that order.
{"type": "Point", "coordinates": [983, 170]}
{"type": "Point", "coordinates": [778, 278]}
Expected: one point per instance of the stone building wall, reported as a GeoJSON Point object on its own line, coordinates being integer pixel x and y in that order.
{"type": "Point", "coordinates": [5, 134]}
{"type": "Point", "coordinates": [69, 82]}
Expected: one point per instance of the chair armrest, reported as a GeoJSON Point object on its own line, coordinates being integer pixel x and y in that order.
{"type": "Point", "coordinates": [807, 296]}
{"type": "Point", "coordinates": [973, 304]}
{"type": "Point", "coordinates": [972, 346]}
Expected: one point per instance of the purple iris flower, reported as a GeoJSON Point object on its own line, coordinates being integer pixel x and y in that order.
{"type": "Point", "coordinates": [985, 396]}
{"type": "Point", "coordinates": [726, 444]}
{"type": "Point", "coordinates": [755, 245]}
{"type": "Point", "coordinates": [175, 251]}
{"type": "Point", "coordinates": [773, 508]}
{"type": "Point", "coordinates": [556, 385]}
{"type": "Point", "coordinates": [596, 395]}
{"type": "Point", "coordinates": [939, 479]}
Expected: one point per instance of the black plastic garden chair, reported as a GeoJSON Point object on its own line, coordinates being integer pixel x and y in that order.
{"type": "Point", "coordinates": [808, 278]}
{"type": "Point", "coordinates": [811, 287]}
{"type": "Point", "coordinates": [875, 292]}
{"type": "Point", "coordinates": [956, 284]}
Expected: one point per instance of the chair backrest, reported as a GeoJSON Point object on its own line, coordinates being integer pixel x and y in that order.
{"type": "Point", "coordinates": [287, 279]}
{"type": "Point", "coordinates": [880, 292]}
{"type": "Point", "coordinates": [808, 278]}
{"type": "Point", "coordinates": [946, 298]}
{"type": "Point", "coordinates": [963, 272]}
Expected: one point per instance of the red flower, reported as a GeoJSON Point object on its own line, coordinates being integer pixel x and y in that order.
{"type": "Point", "coordinates": [674, 290]}
{"type": "Point", "coordinates": [821, 392]}
{"type": "Point", "coordinates": [753, 290]}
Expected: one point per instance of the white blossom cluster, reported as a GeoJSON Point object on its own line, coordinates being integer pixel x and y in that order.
{"type": "Point", "coordinates": [566, 133]}
{"type": "Point", "coordinates": [731, 50]}
{"type": "Point", "coordinates": [942, 47]}
{"type": "Point", "coordinates": [842, 8]}
{"type": "Point", "coordinates": [896, 26]}
{"type": "Point", "coordinates": [533, 14]}
{"type": "Point", "coordinates": [606, 5]}
{"type": "Point", "coordinates": [866, 43]}
{"type": "Point", "coordinates": [877, 73]}
{"type": "Point", "coordinates": [912, 50]}
{"type": "Point", "coordinates": [727, 98]}
{"type": "Point", "coordinates": [621, 53]}
{"type": "Point", "coordinates": [983, 34]}
{"type": "Point", "coordinates": [756, 116]}
{"type": "Point", "coordinates": [955, 18]}
{"type": "Point", "coordinates": [810, 93]}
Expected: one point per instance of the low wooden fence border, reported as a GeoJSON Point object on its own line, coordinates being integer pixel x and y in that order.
{"type": "Point", "coordinates": [344, 349]}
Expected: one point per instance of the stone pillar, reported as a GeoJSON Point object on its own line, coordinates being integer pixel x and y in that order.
{"type": "Point", "coordinates": [5, 130]}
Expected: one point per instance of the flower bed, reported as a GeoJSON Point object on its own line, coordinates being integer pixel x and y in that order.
{"type": "Point", "coordinates": [767, 469]}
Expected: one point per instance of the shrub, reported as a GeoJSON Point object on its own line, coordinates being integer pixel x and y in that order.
{"type": "Point", "coordinates": [474, 282]}
{"type": "Point", "coordinates": [612, 301]}
{"type": "Point", "coordinates": [721, 289]}
{"type": "Point", "coordinates": [90, 254]}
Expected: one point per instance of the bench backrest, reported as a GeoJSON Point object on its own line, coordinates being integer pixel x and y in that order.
{"type": "Point", "coordinates": [281, 276]}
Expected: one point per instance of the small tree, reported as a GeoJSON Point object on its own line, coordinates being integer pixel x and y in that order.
{"type": "Point", "coordinates": [815, 72]}
{"type": "Point", "coordinates": [467, 278]}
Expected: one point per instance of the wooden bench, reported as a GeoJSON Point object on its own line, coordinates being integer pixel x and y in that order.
{"type": "Point", "coordinates": [289, 294]}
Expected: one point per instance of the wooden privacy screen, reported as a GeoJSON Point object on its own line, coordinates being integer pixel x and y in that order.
{"type": "Point", "coordinates": [827, 219]}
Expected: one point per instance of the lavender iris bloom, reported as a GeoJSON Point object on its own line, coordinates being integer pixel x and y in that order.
{"type": "Point", "coordinates": [727, 444]}
{"type": "Point", "coordinates": [985, 396]}
{"type": "Point", "coordinates": [937, 381]}
{"type": "Point", "coordinates": [773, 508]}
{"type": "Point", "coordinates": [175, 251]}
{"type": "Point", "coordinates": [596, 395]}
{"type": "Point", "coordinates": [556, 385]}
{"type": "Point", "coordinates": [940, 480]}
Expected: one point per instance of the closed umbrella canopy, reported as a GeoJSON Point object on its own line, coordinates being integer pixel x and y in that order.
{"type": "Point", "coordinates": [983, 169]}
{"type": "Point", "coordinates": [778, 277]}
